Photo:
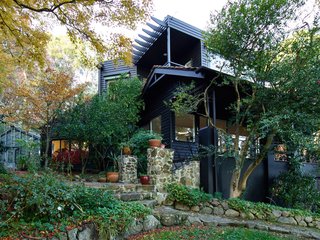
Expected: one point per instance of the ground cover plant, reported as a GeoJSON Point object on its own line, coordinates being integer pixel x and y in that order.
{"type": "Point", "coordinates": [43, 206]}
{"type": "Point", "coordinates": [208, 233]}
{"type": "Point", "coordinates": [186, 195]}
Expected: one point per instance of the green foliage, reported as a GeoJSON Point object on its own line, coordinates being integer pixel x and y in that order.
{"type": "Point", "coordinates": [293, 189]}
{"type": "Point", "coordinates": [274, 49]}
{"type": "Point", "coordinates": [210, 233]}
{"type": "Point", "coordinates": [3, 170]}
{"type": "Point", "coordinates": [106, 120]}
{"type": "Point", "coordinates": [44, 202]}
{"type": "Point", "coordinates": [186, 195]}
{"type": "Point", "coordinates": [184, 101]}
{"type": "Point", "coordinates": [30, 160]}
{"type": "Point", "coordinates": [139, 144]}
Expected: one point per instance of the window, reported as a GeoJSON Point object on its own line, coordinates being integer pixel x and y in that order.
{"type": "Point", "coordinates": [155, 125]}
{"type": "Point", "coordinates": [184, 127]}
{"type": "Point", "coordinates": [203, 122]}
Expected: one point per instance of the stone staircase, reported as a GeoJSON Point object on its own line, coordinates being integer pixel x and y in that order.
{"type": "Point", "coordinates": [129, 192]}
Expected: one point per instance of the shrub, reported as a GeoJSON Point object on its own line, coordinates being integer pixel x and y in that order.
{"type": "Point", "coordinates": [186, 195]}
{"type": "Point", "coordinates": [139, 143]}
{"type": "Point", "coordinates": [3, 170]}
{"type": "Point", "coordinates": [44, 202]}
{"type": "Point", "coordinates": [293, 189]}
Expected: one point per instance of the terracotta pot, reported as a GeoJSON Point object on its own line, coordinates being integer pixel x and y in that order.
{"type": "Point", "coordinates": [154, 142]}
{"type": "Point", "coordinates": [145, 180]}
{"type": "Point", "coordinates": [112, 177]}
{"type": "Point", "coordinates": [126, 150]}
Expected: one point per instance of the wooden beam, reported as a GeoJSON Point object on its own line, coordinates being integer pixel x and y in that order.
{"type": "Point", "coordinates": [156, 20]}
{"type": "Point", "coordinates": [151, 34]}
{"type": "Point", "coordinates": [147, 39]}
{"type": "Point", "coordinates": [143, 44]}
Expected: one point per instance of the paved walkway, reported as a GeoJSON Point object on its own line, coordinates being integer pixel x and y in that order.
{"type": "Point", "coordinates": [169, 217]}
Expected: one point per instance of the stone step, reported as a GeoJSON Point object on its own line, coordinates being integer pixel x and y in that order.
{"type": "Point", "coordinates": [135, 196]}
{"type": "Point", "coordinates": [121, 187]}
{"type": "Point", "coordinates": [149, 203]}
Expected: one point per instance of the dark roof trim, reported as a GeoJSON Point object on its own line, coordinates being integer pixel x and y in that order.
{"type": "Point", "coordinates": [30, 134]}
{"type": "Point", "coordinates": [157, 30]}
{"type": "Point", "coordinates": [158, 72]}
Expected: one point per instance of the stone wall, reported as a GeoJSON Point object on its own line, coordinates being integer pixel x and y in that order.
{"type": "Point", "coordinates": [188, 174]}
{"type": "Point", "coordinates": [160, 167]}
{"type": "Point", "coordinates": [226, 208]}
{"type": "Point", "coordinates": [128, 169]}
{"type": "Point", "coordinates": [160, 170]}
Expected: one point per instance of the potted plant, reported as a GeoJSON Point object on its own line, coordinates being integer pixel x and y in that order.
{"type": "Point", "coordinates": [112, 174]}
{"type": "Point", "coordinates": [144, 179]}
{"type": "Point", "coordinates": [155, 141]}
{"type": "Point", "coordinates": [126, 148]}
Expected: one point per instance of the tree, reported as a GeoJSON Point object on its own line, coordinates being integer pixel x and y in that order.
{"type": "Point", "coordinates": [275, 77]}
{"type": "Point", "coordinates": [106, 120]}
{"type": "Point", "coordinates": [259, 43]}
{"type": "Point", "coordinates": [25, 27]}
{"type": "Point", "coordinates": [35, 100]}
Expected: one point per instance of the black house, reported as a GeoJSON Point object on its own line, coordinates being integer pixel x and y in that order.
{"type": "Point", "coordinates": [168, 55]}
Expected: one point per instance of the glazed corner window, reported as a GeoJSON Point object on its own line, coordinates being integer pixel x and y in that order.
{"type": "Point", "coordinates": [185, 130]}
{"type": "Point", "coordinates": [155, 125]}
{"type": "Point", "coordinates": [203, 122]}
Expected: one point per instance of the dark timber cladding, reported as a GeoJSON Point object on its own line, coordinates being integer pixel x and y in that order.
{"type": "Point", "coordinates": [110, 70]}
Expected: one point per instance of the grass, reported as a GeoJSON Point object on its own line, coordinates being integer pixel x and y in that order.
{"type": "Point", "coordinates": [203, 233]}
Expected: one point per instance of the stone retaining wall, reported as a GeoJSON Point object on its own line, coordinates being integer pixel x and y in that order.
{"type": "Point", "coordinates": [188, 174]}
{"type": "Point", "coordinates": [160, 170]}
{"type": "Point", "coordinates": [128, 169]}
{"type": "Point", "coordinates": [222, 208]}
{"type": "Point", "coordinates": [160, 167]}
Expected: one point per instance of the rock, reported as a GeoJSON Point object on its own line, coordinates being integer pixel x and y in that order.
{"type": "Point", "coordinates": [161, 198]}
{"type": "Point", "coordinates": [218, 211]}
{"type": "Point", "coordinates": [287, 220]}
{"type": "Point", "coordinates": [279, 229]}
{"type": "Point", "coordinates": [168, 202]}
{"type": "Point", "coordinates": [302, 223]}
{"type": "Point", "coordinates": [194, 221]}
{"type": "Point", "coordinates": [181, 207]}
{"type": "Point", "coordinates": [215, 202]}
{"type": "Point", "coordinates": [276, 213]}
{"type": "Point", "coordinates": [308, 219]}
{"type": "Point", "coordinates": [72, 234]}
{"type": "Point", "coordinates": [134, 228]}
{"type": "Point", "coordinates": [88, 232]}
{"type": "Point", "coordinates": [310, 224]}
{"type": "Point", "coordinates": [168, 220]}
{"type": "Point", "coordinates": [232, 213]}
{"type": "Point", "coordinates": [209, 220]}
{"type": "Point", "coordinates": [317, 223]}
{"type": "Point", "coordinates": [195, 208]}
{"type": "Point", "coordinates": [150, 223]}
{"type": "Point", "coordinates": [261, 226]}
{"type": "Point", "coordinates": [298, 218]}
{"type": "Point", "coordinates": [285, 214]}
{"type": "Point", "coordinates": [225, 205]}
{"type": "Point", "coordinates": [250, 216]}
{"type": "Point", "coordinates": [206, 210]}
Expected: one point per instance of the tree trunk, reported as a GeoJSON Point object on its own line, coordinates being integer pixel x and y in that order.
{"type": "Point", "coordinates": [239, 181]}
{"type": "Point", "coordinates": [234, 183]}
{"type": "Point", "coordinates": [46, 153]}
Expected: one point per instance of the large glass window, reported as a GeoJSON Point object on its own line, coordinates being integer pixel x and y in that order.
{"type": "Point", "coordinates": [185, 130]}
{"type": "Point", "coordinates": [203, 122]}
{"type": "Point", "coordinates": [155, 125]}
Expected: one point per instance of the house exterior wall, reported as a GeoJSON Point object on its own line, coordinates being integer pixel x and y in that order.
{"type": "Point", "coordinates": [12, 149]}
{"type": "Point", "coordinates": [111, 68]}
